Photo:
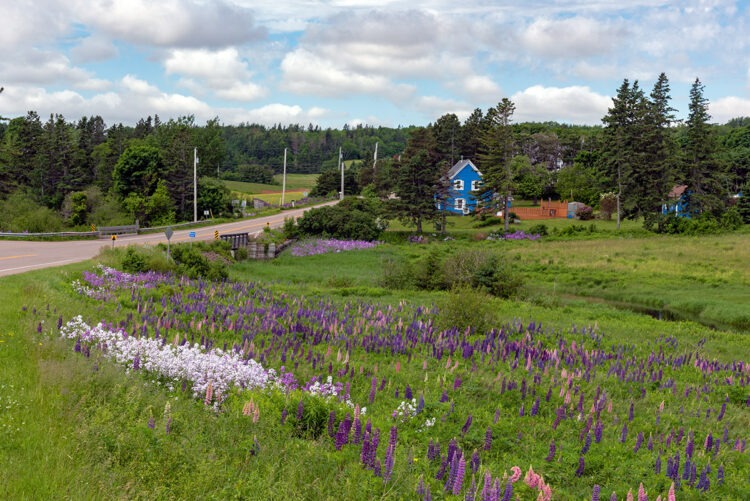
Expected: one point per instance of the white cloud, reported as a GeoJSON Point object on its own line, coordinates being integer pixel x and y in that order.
{"type": "Point", "coordinates": [724, 109]}
{"type": "Point", "coordinates": [307, 73]}
{"type": "Point", "coordinates": [170, 23]}
{"type": "Point", "coordinates": [276, 113]}
{"type": "Point", "coordinates": [222, 71]}
{"type": "Point", "coordinates": [575, 105]}
{"type": "Point", "coordinates": [572, 37]}
{"type": "Point", "coordinates": [93, 49]}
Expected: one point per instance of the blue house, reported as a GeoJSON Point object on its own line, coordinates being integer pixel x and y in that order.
{"type": "Point", "coordinates": [464, 178]}
{"type": "Point", "coordinates": [678, 202]}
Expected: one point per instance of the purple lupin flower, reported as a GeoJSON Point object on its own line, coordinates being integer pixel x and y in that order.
{"type": "Point", "coordinates": [497, 414]}
{"type": "Point", "coordinates": [459, 480]}
{"type": "Point", "coordinates": [657, 466]}
{"type": "Point", "coordinates": [586, 444]}
{"type": "Point", "coordinates": [551, 454]}
{"type": "Point", "coordinates": [638, 441]}
{"type": "Point", "coordinates": [408, 393]}
{"type": "Point", "coordinates": [300, 410]}
{"type": "Point", "coordinates": [630, 412]}
{"type": "Point", "coordinates": [284, 413]}
{"type": "Point", "coordinates": [488, 439]}
{"type": "Point", "coordinates": [508, 491]}
{"type": "Point", "coordinates": [581, 466]}
{"type": "Point", "coordinates": [720, 474]}
{"type": "Point", "coordinates": [613, 497]}
{"type": "Point", "coordinates": [475, 461]}
{"type": "Point", "coordinates": [535, 407]}
{"type": "Point", "coordinates": [595, 492]}
{"type": "Point", "coordinates": [472, 489]}
{"type": "Point", "coordinates": [151, 422]}
{"type": "Point", "coordinates": [722, 411]}
{"type": "Point", "coordinates": [598, 428]}
{"type": "Point", "coordinates": [487, 486]}
{"type": "Point", "coordinates": [467, 425]}
{"type": "Point", "coordinates": [624, 433]}
{"type": "Point", "coordinates": [373, 389]}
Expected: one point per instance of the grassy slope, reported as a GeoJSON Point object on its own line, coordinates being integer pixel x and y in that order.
{"type": "Point", "coordinates": [84, 424]}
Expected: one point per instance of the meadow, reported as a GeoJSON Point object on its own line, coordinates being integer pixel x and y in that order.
{"type": "Point", "coordinates": [296, 187]}
{"type": "Point", "coordinates": [310, 377]}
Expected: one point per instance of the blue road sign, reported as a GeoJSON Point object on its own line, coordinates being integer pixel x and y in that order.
{"type": "Point", "coordinates": [192, 234]}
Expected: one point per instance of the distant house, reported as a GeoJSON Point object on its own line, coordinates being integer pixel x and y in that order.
{"type": "Point", "coordinates": [678, 202]}
{"type": "Point", "coordinates": [463, 179]}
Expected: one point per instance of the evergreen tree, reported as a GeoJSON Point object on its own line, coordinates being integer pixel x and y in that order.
{"type": "Point", "coordinates": [621, 147]}
{"type": "Point", "coordinates": [417, 180]}
{"type": "Point", "coordinates": [703, 171]}
{"type": "Point", "coordinates": [498, 146]}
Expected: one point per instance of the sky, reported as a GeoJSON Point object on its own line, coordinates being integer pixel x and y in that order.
{"type": "Point", "coordinates": [372, 62]}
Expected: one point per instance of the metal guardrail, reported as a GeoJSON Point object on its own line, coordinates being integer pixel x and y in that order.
{"type": "Point", "coordinates": [56, 234]}
{"type": "Point", "coordinates": [130, 229]}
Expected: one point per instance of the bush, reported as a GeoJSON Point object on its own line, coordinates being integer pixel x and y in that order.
{"type": "Point", "coordinates": [539, 229]}
{"type": "Point", "coordinates": [731, 219]}
{"type": "Point", "coordinates": [585, 213]}
{"type": "Point", "coordinates": [351, 219]}
{"type": "Point", "coordinates": [466, 307]}
{"type": "Point", "coordinates": [483, 270]}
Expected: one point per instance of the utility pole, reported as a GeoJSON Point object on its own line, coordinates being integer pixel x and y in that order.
{"type": "Point", "coordinates": [341, 166]}
{"type": "Point", "coordinates": [195, 185]}
{"type": "Point", "coordinates": [283, 180]}
{"type": "Point", "coordinates": [375, 158]}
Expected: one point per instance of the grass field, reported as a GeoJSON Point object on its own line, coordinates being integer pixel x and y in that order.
{"type": "Point", "coordinates": [621, 395]}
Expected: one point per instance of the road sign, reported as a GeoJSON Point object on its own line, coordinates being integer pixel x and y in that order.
{"type": "Point", "coordinates": [169, 232]}
{"type": "Point", "coordinates": [216, 235]}
{"type": "Point", "coordinates": [192, 234]}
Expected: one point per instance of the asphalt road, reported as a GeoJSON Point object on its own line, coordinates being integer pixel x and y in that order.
{"type": "Point", "coordinates": [18, 256]}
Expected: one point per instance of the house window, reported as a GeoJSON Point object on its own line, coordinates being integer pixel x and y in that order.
{"type": "Point", "coordinates": [460, 203]}
{"type": "Point", "coordinates": [476, 184]}
{"type": "Point", "coordinates": [458, 184]}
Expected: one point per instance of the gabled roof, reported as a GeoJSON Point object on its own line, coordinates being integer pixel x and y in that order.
{"type": "Point", "coordinates": [460, 166]}
{"type": "Point", "coordinates": [677, 191]}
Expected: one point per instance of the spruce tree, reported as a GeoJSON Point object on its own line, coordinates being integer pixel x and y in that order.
{"type": "Point", "coordinates": [702, 168]}
{"type": "Point", "coordinates": [498, 146]}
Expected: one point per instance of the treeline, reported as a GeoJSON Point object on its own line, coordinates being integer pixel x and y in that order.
{"type": "Point", "coordinates": [57, 173]}
{"type": "Point", "coordinates": [630, 166]}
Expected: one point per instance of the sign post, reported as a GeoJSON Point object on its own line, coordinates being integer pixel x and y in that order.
{"type": "Point", "coordinates": [192, 237]}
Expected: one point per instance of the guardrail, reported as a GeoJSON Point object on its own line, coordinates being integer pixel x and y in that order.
{"type": "Point", "coordinates": [105, 231]}
{"type": "Point", "coordinates": [62, 234]}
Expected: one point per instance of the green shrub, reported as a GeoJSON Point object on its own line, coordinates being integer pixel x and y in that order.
{"type": "Point", "coordinates": [133, 261]}
{"type": "Point", "coordinates": [397, 274]}
{"type": "Point", "coordinates": [347, 221]}
{"type": "Point", "coordinates": [466, 307]}
{"type": "Point", "coordinates": [484, 270]}
{"type": "Point", "coordinates": [731, 219]}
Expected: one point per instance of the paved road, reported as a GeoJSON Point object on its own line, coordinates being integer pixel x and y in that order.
{"type": "Point", "coordinates": [20, 256]}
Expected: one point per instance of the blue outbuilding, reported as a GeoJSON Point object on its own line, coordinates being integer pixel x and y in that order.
{"type": "Point", "coordinates": [464, 180]}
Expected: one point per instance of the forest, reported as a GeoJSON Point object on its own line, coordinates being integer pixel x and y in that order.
{"type": "Point", "coordinates": [56, 173]}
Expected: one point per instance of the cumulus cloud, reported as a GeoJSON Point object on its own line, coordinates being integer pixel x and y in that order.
{"type": "Point", "coordinates": [222, 71]}
{"type": "Point", "coordinates": [308, 73]}
{"type": "Point", "coordinates": [93, 48]}
{"type": "Point", "coordinates": [171, 23]}
{"type": "Point", "coordinates": [576, 104]}
{"type": "Point", "coordinates": [724, 109]}
{"type": "Point", "coordinates": [572, 37]}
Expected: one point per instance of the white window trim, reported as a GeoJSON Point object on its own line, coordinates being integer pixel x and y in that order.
{"type": "Point", "coordinates": [476, 184]}
{"type": "Point", "coordinates": [458, 184]}
{"type": "Point", "coordinates": [459, 203]}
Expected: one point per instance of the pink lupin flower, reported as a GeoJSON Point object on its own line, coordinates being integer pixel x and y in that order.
{"type": "Point", "coordinates": [642, 493]}
{"type": "Point", "coordinates": [531, 479]}
{"type": "Point", "coordinates": [629, 497]}
{"type": "Point", "coordinates": [515, 474]}
{"type": "Point", "coordinates": [670, 494]}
